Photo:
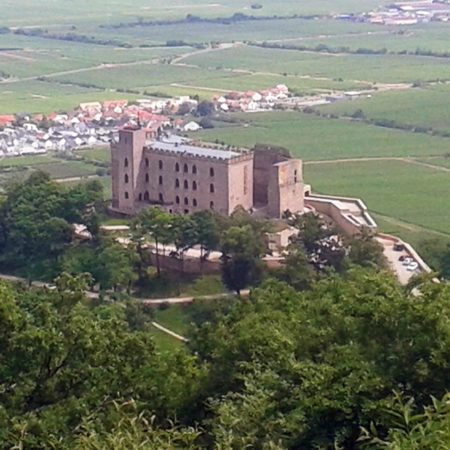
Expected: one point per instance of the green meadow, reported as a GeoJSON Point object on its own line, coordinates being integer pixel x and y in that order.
{"type": "Point", "coordinates": [314, 138]}
{"type": "Point", "coordinates": [424, 107]}
{"type": "Point", "coordinates": [413, 194]}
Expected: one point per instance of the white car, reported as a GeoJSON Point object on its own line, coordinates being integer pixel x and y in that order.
{"type": "Point", "coordinates": [407, 261]}
{"type": "Point", "coordinates": [412, 267]}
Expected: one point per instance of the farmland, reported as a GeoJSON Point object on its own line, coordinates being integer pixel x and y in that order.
{"type": "Point", "coordinates": [411, 193]}
{"type": "Point", "coordinates": [424, 107]}
{"type": "Point", "coordinates": [315, 138]}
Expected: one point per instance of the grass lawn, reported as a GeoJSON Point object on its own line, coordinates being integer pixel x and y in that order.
{"type": "Point", "coordinates": [313, 138]}
{"type": "Point", "coordinates": [412, 194]}
{"type": "Point", "coordinates": [174, 318]}
{"type": "Point", "coordinates": [182, 286]}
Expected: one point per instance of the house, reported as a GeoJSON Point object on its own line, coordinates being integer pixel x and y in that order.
{"type": "Point", "coordinates": [192, 126]}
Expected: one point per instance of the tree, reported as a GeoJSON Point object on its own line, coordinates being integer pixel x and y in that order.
{"type": "Point", "coordinates": [205, 108]}
{"type": "Point", "coordinates": [207, 232]}
{"type": "Point", "coordinates": [184, 236]}
{"type": "Point", "coordinates": [66, 365]}
{"type": "Point", "coordinates": [366, 251]}
{"type": "Point", "coordinates": [114, 266]}
{"type": "Point", "coordinates": [308, 370]}
{"type": "Point", "coordinates": [36, 222]}
{"type": "Point", "coordinates": [242, 250]}
{"type": "Point", "coordinates": [297, 270]}
{"type": "Point", "coordinates": [157, 224]}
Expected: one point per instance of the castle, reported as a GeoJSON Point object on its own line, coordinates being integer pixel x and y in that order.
{"type": "Point", "coordinates": [184, 176]}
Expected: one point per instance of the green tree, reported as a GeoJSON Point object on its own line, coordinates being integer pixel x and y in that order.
{"type": "Point", "coordinates": [184, 236]}
{"type": "Point", "coordinates": [115, 265]}
{"type": "Point", "coordinates": [155, 223]}
{"type": "Point", "coordinates": [242, 250]}
{"type": "Point", "coordinates": [366, 251]}
{"type": "Point", "coordinates": [308, 370]}
{"type": "Point", "coordinates": [207, 232]}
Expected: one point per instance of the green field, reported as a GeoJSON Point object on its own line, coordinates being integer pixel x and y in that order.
{"type": "Point", "coordinates": [416, 107]}
{"type": "Point", "coordinates": [91, 12]}
{"type": "Point", "coordinates": [368, 68]}
{"type": "Point", "coordinates": [413, 194]}
{"type": "Point", "coordinates": [431, 36]}
{"type": "Point", "coordinates": [313, 138]}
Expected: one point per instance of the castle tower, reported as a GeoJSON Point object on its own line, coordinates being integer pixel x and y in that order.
{"type": "Point", "coordinates": [126, 157]}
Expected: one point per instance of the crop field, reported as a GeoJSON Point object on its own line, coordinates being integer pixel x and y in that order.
{"type": "Point", "coordinates": [369, 68]}
{"type": "Point", "coordinates": [45, 97]}
{"type": "Point", "coordinates": [83, 12]}
{"type": "Point", "coordinates": [16, 168]}
{"type": "Point", "coordinates": [430, 36]}
{"type": "Point", "coordinates": [260, 30]}
{"type": "Point", "coordinates": [142, 75]}
{"type": "Point", "coordinates": [410, 193]}
{"type": "Point", "coordinates": [426, 107]}
{"type": "Point", "coordinates": [313, 138]}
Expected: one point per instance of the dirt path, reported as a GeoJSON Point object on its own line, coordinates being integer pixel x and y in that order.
{"type": "Point", "coordinates": [82, 69]}
{"type": "Point", "coordinates": [200, 88]}
{"type": "Point", "coordinates": [220, 47]}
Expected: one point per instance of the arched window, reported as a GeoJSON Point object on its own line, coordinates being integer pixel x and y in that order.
{"type": "Point", "coordinates": [147, 162]}
{"type": "Point", "coordinates": [127, 196]}
{"type": "Point", "coordinates": [211, 205]}
{"type": "Point", "coordinates": [177, 200]}
{"type": "Point", "coordinates": [186, 201]}
{"type": "Point", "coordinates": [147, 178]}
{"type": "Point", "coordinates": [160, 165]}
{"type": "Point", "coordinates": [194, 169]}
{"type": "Point", "coordinates": [126, 178]}
{"type": "Point", "coordinates": [177, 167]}
{"type": "Point", "coordinates": [177, 183]}
{"type": "Point", "coordinates": [186, 184]}
{"type": "Point", "coordinates": [194, 185]}
{"type": "Point", "coordinates": [161, 198]}
{"type": "Point", "coordinates": [295, 176]}
{"type": "Point", "coordinates": [146, 196]}
{"type": "Point", "coordinates": [194, 202]}
{"type": "Point", "coordinates": [185, 168]}
{"type": "Point", "coordinates": [140, 197]}
{"type": "Point", "coordinates": [211, 188]}
{"type": "Point", "coordinates": [160, 181]}
{"type": "Point", "coordinates": [125, 163]}
{"type": "Point", "coordinates": [211, 171]}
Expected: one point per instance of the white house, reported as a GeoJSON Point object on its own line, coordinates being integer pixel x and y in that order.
{"type": "Point", "coordinates": [192, 126]}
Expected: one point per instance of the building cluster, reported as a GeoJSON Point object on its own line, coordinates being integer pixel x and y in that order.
{"type": "Point", "coordinates": [91, 124]}
{"type": "Point", "coordinates": [252, 101]}
{"type": "Point", "coordinates": [407, 13]}
{"type": "Point", "coordinates": [185, 176]}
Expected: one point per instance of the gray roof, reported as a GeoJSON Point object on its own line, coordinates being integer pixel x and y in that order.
{"type": "Point", "coordinates": [193, 150]}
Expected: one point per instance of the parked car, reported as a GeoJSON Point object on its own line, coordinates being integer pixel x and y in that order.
{"type": "Point", "coordinates": [412, 266]}
{"type": "Point", "coordinates": [407, 261]}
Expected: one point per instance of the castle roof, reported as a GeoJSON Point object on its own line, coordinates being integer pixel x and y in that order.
{"type": "Point", "coordinates": [193, 150]}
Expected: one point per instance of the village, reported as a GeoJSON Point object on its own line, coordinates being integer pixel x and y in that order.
{"type": "Point", "coordinates": [406, 13]}
{"type": "Point", "coordinates": [97, 123]}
